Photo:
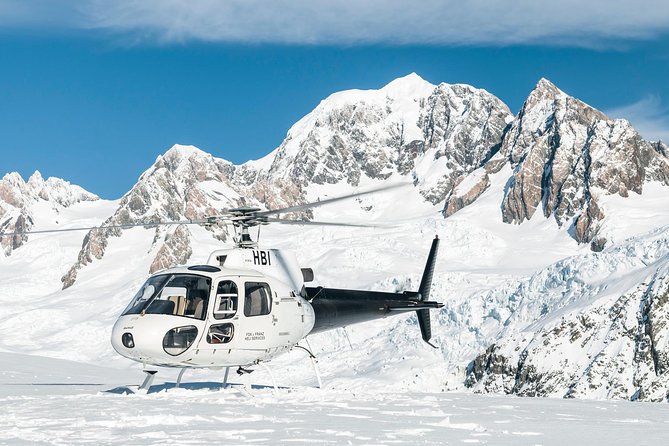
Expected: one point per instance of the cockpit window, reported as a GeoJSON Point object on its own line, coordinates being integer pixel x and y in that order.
{"type": "Point", "coordinates": [178, 294]}
{"type": "Point", "coordinates": [150, 288]}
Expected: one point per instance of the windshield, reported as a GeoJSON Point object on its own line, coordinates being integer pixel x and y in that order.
{"type": "Point", "coordinates": [183, 295]}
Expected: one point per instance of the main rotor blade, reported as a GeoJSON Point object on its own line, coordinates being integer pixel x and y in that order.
{"type": "Point", "coordinates": [305, 206]}
{"type": "Point", "coordinates": [128, 226]}
{"type": "Point", "coordinates": [315, 223]}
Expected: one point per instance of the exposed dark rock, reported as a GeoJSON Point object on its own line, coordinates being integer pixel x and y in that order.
{"type": "Point", "coordinates": [175, 251]}
{"type": "Point", "coordinates": [565, 153]}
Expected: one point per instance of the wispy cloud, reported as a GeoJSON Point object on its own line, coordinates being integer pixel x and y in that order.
{"type": "Point", "coordinates": [448, 22]}
{"type": "Point", "coordinates": [649, 116]}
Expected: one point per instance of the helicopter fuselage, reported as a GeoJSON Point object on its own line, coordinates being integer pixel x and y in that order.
{"type": "Point", "coordinates": [213, 316]}
{"type": "Point", "coordinates": [246, 306]}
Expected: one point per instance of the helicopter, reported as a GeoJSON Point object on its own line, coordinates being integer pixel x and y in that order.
{"type": "Point", "coordinates": [247, 304]}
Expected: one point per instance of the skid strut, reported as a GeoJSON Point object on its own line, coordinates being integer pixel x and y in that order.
{"type": "Point", "coordinates": [225, 378]}
{"type": "Point", "coordinates": [271, 375]}
{"type": "Point", "coordinates": [150, 375]}
{"type": "Point", "coordinates": [347, 338]}
{"type": "Point", "coordinates": [312, 357]}
{"type": "Point", "coordinates": [181, 374]}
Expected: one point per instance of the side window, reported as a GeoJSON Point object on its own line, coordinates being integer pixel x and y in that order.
{"type": "Point", "coordinates": [220, 333]}
{"type": "Point", "coordinates": [258, 299]}
{"type": "Point", "coordinates": [225, 305]}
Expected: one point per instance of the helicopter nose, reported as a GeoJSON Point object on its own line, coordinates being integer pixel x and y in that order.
{"type": "Point", "coordinates": [129, 340]}
{"type": "Point", "coordinates": [153, 338]}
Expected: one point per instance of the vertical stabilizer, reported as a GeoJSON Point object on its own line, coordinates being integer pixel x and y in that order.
{"type": "Point", "coordinates": [424, 290]}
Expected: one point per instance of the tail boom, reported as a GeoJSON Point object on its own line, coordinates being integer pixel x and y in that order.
{"type": "Point", "coordinates": [334, 308]}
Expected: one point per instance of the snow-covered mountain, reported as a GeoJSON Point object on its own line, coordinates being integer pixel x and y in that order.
{"type": "Point", "coordinates": [409, 130]}
{"type": "Point", "coordinates": [566, 154]}
{"type": "Point", "coordinates": [184, 183]}
{"type": "Point", "coordinates": [569, 301]}
{"type": "Point", "coordinates": [19, 201]}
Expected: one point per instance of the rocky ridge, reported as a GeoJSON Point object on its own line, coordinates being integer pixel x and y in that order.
{"type": "Point", "coordinates": [183, 184]}
{"type": "Point", "coordinates": [565, 154]}
{"type": "Point", "coordinates": [432, 134]}
{"type": "Point", "coordinates": [18, 198]}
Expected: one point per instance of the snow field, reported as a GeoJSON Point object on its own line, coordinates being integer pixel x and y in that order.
{"type": "Point", "coordinates": [47, 401]}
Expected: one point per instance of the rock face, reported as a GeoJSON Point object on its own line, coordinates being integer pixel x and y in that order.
{"type": "Point", "coordinates": [467, 189]}
{"type": "Point", "coordinates": [185, 183]}
{"type": "Point", "coordinates": [565, 154]}
{"type": "Point", "coordinates": [464, 126]}
{"type": "Point", "coordinates": [175, 251]}
{"type": "Point", "coordinates": [19, 198]}
{"type": "Point", "coordinates": [409, 127]}
{"type": "Point", "coordinates": [587, 342]}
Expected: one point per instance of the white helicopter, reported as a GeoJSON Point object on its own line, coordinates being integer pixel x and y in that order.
{"type": "Point", "coordinates": [247, 304]}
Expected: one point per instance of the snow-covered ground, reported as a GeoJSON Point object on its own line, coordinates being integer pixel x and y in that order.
{"type": "Point", "coordinates": [49, 401]}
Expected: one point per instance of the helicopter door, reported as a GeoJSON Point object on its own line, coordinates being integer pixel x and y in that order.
{"type": "Point", "coordinates": [222, 329]}
{"type": "Point", "coordinates": [257, 327]}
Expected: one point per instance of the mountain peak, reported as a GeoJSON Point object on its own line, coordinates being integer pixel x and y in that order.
{"type": "Point", "coordinates": [408, 85]}
{"type": "Point", "coordinates": [180, 150]}
{"type": "Point", "coordinates": [178, 156]}
{"type": "Point", "coordinates": [546, 99]}
{"type": "Point", "coordinates": [545, 83]}
{"type": "Point", "coordinates": [36, 179]}
{"type": "Point", "coordinates": [545, 88]}
{"type": "Point", "coordinates": [12, 178]}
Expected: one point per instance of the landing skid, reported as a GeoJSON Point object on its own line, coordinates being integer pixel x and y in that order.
{"type": "Point", "coordinates": [147, 384]}
{"type": "Point", "coordinates": [142, 389]}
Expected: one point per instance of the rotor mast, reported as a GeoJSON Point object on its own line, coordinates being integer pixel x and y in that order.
{"type": "Point", "coordinates": [242, 219]}
{"type": "Point", "coordinates": [242, 238]}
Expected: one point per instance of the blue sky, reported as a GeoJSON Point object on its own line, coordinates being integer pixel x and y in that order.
{"type": "Point", "coordinates": [93, 94]}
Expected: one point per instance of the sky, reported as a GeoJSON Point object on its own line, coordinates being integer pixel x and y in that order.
{"type": "Point", "coordinates": [93, 91]}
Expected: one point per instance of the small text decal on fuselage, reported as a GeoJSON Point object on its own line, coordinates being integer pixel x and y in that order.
{"type": "Point", "coordinates": [261, 258]}
{"type": "Point", "coordinates": [255, 336]}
